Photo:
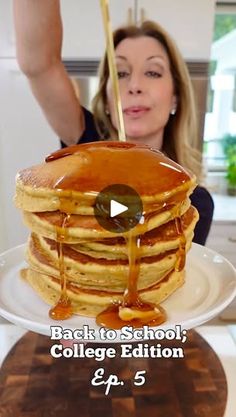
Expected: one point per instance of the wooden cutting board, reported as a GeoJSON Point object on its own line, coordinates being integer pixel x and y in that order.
{"type": "Point", "coordinates": [33, 384]}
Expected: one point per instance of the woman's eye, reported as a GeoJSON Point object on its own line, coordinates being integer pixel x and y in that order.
{"type": "Point", "coordinates": [153, 74]}
{"type": "Point", "coordinates": [122, 74]}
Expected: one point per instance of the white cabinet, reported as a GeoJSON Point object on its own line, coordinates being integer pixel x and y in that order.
{"type": "Point", "coordinates": [7, 40]}
{"type": "Point", "coordinates": [25, 139]}
{"type": "Point", "coordinates": [84, 33]}
{"type": "Point", "coordinates": [189, 22]}
{"type": "Point", "coordinates": [83, 26]}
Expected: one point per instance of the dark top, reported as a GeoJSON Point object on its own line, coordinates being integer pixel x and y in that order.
{"type": "Point", "coordinates": [200, 198]}
{"type": "Point", "coordinates": [90, 133]}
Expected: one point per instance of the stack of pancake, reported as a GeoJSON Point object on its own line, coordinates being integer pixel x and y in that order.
{"type": "Point", "coordinates": [58, 197]}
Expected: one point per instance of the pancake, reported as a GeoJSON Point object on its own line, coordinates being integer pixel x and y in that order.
{"type": "Point", "coordinates": [71, 180]}
{"type": "Point", "coordinates": [100, 274]}
{"type": "Point", "coordinates": [77, 264]}
{"type": "Point", "coordinates": [90, 304]}
{"type": "Point", "coordinates": [158, 240]}
{"type": "Point", "coordinates": [49, 224]}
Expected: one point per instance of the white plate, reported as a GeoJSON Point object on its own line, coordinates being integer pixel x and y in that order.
{"type": "Point", "coordinates": [210, 286]}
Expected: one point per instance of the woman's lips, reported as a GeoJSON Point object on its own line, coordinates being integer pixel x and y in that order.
{"type": "Point", "coordinates": [136, 111]}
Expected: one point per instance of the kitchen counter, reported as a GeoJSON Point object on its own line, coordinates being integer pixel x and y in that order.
{"type": "Point", "coordinates": [222, 238]}
{"type": "Point", "coordinates": [225, 208]}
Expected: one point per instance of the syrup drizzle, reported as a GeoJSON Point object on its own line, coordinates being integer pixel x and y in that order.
{"type": "Point", "coordinates": [63, 309]}
{"type": "Point", "coordinates": [132, 310]}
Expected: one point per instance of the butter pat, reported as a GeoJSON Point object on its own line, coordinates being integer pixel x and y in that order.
{"type": "Point", "coordinates": [128, 314]}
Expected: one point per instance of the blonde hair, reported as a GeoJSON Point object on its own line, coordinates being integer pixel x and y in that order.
{"type": "Point", "coordinates": [181, 131]}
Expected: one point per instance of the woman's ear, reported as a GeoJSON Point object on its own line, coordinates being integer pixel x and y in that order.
{"type": "Point", "coordinates": [174, 105]}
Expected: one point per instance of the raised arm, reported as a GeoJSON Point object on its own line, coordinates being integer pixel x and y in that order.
{"type": "Point", "coordinates": [38, 30]}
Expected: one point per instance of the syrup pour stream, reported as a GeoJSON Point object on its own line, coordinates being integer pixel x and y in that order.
{"type": "Point", "coordinates": [63, 309]}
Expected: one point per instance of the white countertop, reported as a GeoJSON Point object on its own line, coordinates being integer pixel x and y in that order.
{"type": "Point", "coordinates": [225, 208]}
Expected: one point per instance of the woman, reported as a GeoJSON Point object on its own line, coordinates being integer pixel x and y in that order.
{"type": "Point", "coordinates": [156, 93]}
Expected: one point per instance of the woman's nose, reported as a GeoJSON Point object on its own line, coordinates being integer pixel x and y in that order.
{"type": "Point", "coordinates": [135, 90]}
{"type": "Point", "coordinates": [135, 86]}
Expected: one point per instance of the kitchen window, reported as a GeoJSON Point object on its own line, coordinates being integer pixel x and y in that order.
{"type": "Point", "coordinates": [220, 119]}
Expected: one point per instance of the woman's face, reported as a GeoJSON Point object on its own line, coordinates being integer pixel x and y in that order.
{"type": "Point", "coordinates": [146, 89]}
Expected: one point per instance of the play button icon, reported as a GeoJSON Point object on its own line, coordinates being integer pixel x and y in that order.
{"type": "Point", "coordinates": [118, 208]}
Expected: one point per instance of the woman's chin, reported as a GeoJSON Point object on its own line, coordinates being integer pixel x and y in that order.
{"type": "Point", "coordinates": [139, 138]}
{"type": "Point", "coordinates": [135, 134]}
{"type": "Point", "coordinates": [143, 138]}
{"type": "Point", "coordinates": [136, 140]}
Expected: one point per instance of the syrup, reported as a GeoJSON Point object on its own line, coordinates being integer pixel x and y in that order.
{"type": "Point", "coordinates": [63, 309]}
{"type": "Point", "coordinates": [138, 313]}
